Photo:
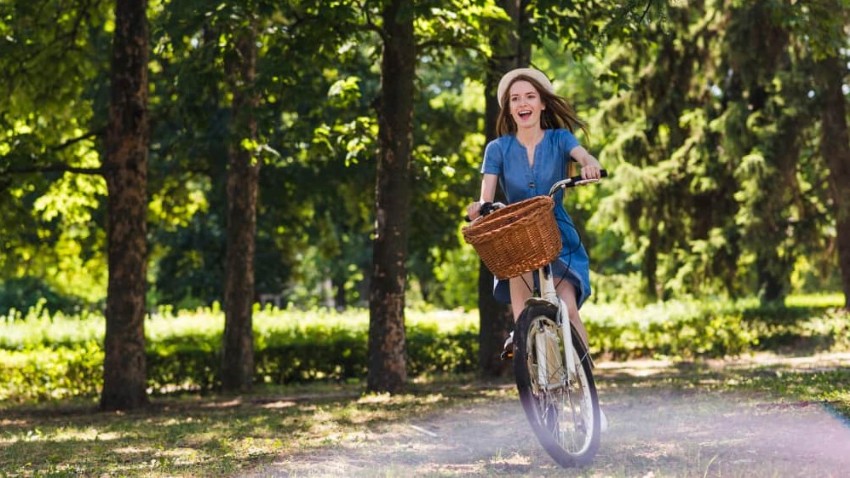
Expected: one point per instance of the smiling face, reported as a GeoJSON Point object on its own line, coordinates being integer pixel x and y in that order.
{"type": "Point", "coordinates": [525, 104]}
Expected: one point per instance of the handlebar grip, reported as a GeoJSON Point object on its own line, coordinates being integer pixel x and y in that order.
{"type": "Point", "coordinates": [486, 208]}
{"type": "Point", "coordinates": [603, 173]}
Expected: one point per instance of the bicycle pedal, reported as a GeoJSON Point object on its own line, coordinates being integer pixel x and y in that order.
{"type": "Point", "coordinates": [508, 349]}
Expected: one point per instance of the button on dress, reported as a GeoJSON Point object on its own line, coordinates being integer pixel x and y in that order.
{"type": "Point", "coordinates": [507, 158]}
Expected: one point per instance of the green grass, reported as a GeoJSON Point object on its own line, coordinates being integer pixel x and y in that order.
{"type": "Point", "coordinates": [830, 387]}
{"type": "Point", "coordinates": [208, 436]}
{"type": "Point", "coordinates": [43, 357]}
{"type": "Point", "coordinates": [829, 300]}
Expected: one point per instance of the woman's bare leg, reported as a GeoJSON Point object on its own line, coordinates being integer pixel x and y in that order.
{"type": "Point", "coordinates": [567, 293]}
{"type": "Point", "coordinates": [520, 292]}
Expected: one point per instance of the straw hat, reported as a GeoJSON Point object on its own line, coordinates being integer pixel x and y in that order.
{"type": "Point", "coordinates": [509, 77]}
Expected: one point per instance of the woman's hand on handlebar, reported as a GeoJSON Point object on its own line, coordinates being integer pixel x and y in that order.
{"type": "Point", "coordinates": [481, 208]}
{"type": "Point", "coordinates": [473, 210]}
{"type": "Point", "coordinates": [590, 168]}
{"type": "Point", "coordinates": [592, 171]}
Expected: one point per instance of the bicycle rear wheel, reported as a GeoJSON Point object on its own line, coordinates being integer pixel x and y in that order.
{"type": "Point", "coordinates": [563, 413]}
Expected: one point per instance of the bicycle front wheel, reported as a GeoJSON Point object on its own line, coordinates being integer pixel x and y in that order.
{"type": "Point", "coordinates": [562, 407]}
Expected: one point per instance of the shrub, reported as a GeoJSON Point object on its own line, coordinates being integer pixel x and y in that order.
{"type": "Point", "coordinates": [676, 329]}
{"type": "Point", "coordinates": [51, 373]}
{"type": "Point", "coordinates": [28, 292]}
{"type": "Point", "coordinates": [43, 357]}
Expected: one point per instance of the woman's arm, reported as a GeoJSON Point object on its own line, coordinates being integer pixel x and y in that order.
{"type": "Point", "coordinates": [488, 192]}
{"type": "Point", "coordinates": [488, 187]}
{"type": "Point", "coordinates": [590, 167]}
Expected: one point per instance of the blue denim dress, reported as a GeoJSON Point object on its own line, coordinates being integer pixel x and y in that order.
{"type": "Point", "coordinates": [507, 158]}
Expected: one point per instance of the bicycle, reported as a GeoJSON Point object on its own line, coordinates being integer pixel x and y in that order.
{"type": "Point", "coordinates": [552, 366]}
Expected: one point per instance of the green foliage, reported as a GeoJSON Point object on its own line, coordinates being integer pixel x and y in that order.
{"type": "Point", "coordinates": [801, 329]}
{"type": "Point", "coordinates": [54, 64]}
{"type": "Point", "coordinates": [456, 274]}
{"type": "Point", "coordinates": [30, 293]}
{"type": "Point", "coordinates": [716, 328]}
{"type": "Point", "coordinates": [717, 186]}
{"type": "Point", "coordinates": [38, 327]}
{"type": "Point", "coordinates": [433, 352]}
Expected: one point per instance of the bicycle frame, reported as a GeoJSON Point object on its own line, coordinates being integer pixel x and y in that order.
{"type": "Point", "coordinates": [550, 295]}
{"type": "Point", "coordinates": [547, 286]}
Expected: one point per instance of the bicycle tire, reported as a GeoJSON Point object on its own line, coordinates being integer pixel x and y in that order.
{"type": "Point", "coordinates": [557, 411]}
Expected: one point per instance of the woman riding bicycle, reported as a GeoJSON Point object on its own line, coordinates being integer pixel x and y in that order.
{"type": "Point", "coordinates": [534, 148]}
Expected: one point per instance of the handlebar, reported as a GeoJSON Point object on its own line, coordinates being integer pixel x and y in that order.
{"type": "Point", "coordinates": [572, 182]}
{"type": "Point", "coordinates": [575, 181]}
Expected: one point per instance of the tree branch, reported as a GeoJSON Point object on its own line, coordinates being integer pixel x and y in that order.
{"type": "Point", "coordinates": [370, 24]}
{"type": "Point", "coordinates": [73, 141]}
{"type": "Point", "coordinates": [52, 168]}
{"type": "Point", "coordinates": [428, 44]}
{"type": "Point", "coordinates": [55, 166]}
{"type": "Point", "coordinates": [645, 10]}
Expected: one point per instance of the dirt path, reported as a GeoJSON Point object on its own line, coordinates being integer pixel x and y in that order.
{"type": "Point", "coordinates": [656, 430]}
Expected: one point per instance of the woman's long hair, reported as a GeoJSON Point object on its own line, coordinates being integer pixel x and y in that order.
{"type": "Point", "coordinates": [558, 113]}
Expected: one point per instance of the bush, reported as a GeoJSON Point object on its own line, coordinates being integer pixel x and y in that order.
{"type": "Point", "coordinates": [44, 373]}
{"type": "Point", "coordinates": [677, 329]}
{"type": "Point", "coordinates": [28, 292]}
{"type": "Point", "coordinates": [43, 357]}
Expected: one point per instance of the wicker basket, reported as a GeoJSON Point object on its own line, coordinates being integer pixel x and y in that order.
{"type": "Point", "coordinates": [518, 238]}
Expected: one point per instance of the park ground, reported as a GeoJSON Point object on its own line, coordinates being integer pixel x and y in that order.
{"type": "Point", "coordinates": [665, 420]}
{"type": "Point", "coordinates": [759, 415]}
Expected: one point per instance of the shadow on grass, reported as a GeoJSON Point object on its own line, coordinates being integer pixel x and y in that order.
{"type": "Point", "coordinates": [823, 378]}
{"type": "Point", "coordinates": [208, 436]}
{"type": "Point", "coordinates": [798, 330]}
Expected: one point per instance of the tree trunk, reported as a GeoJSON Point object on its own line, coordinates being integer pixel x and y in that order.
{"type": "Point", "coordinates": [649, 265]}
{"type": "Point", "coordinates": [340, 299]}
{"type": "Point", "coordinates": [495, 319]}
{"type": "Point", "coordinates": [387, 364]}
{"type": "Point", "coordinates": [835, 149]}
{"type": "Point", "coordinates": [495, 323]}
{"type": "Point", "coordinates": [775, 268]}
{"type": "Point", "coordinates": [125, 165]}
{"type": "Point", "coordinates": [237, 369]}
